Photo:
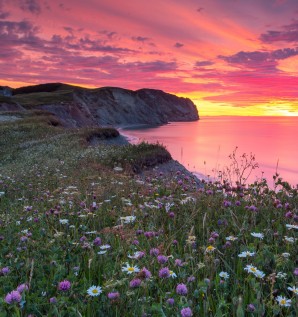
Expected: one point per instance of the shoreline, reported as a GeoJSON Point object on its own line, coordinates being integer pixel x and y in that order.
{"type": "Point", "coordinates": [169, 168]}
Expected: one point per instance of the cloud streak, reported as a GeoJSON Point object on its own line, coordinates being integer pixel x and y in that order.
{"type": "Point", "coordinates": [289, 33]}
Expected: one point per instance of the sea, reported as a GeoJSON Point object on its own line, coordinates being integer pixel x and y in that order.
{"type": "Point", "coordinates": [205, 146]}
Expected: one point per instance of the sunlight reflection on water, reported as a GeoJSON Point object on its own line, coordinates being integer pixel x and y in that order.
{"type": "Point", "coordinates": [204, 146]}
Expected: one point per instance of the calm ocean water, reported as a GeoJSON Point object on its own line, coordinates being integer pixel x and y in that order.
{"type": "Point", "coordinates": [204, 146]}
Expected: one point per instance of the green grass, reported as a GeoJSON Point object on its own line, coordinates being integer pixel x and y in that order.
{"type": "Point", "coordinates": [31, 100]}
{"type": "Point", "coordinates": [99, 133]}
{"type": "Point", "coordinates": [57, 194]}
{"type": "Point", "coordinates": [139, 157]}
{"type": "Point", "coordinates": [6, 99]}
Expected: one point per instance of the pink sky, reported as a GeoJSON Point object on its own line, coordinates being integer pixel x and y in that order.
{"type": "Point", "coordinates": [235, 57]}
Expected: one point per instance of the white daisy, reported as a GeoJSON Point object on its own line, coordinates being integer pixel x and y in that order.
{"type": "Point", "coordinates": [64, 221]}
{"type": "Point", "coordinates": [224, 275]}
{"type": "Point", "coordinates": [293, 289]}
{"type": "Point", "coordinates": [258, 235]}
{"type": "Point", "coordinates": [292, 226]}
{"type": "Point", "coordinates": [209, 249]}
{"type": "Point", "coordinates": [290, 239]}
{"type": "Point", "coordinates": [128, 219]}
{"type": "Point", "coordinates": [246, 254]}
{"type": "Point", "coordinates": [172, 274]}
{"type": "Point", "coordinates": [130, 269]}
{"type": "Point", "coordinates": [137, 255]}
{"type": "Point", "coordinates": [283, 301]}
{"type": "Point", "coordinates": [250, 269]}
{"type": "Point", "coordinates": [105, 247]}
{"type": "Point", "coordinates": [94, 290]}
{"type": "Point", "coordinates": [259, 274]}
{"type": "Point", "coordinates": [231, 238]}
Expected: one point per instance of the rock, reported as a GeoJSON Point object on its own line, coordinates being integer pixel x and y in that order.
{"type": "Point", "coordinates": [5, 91]}
{"type": "Point", "coordinates": [77, 107]}
{"type": "Point", "coordinates": [116, 106]}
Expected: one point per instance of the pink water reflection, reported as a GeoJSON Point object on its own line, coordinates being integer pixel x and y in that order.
{"type": "Point", "coordinates": [204, 146]}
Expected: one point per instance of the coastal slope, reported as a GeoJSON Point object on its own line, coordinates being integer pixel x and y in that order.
{"type": "Point", "coordinates": [77, 107]}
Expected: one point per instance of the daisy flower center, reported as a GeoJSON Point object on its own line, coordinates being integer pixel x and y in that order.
{"type": "Point", "coordinates": [283, 301]}
{"type": "Point", "coordinates": [130, 269]}
{"type": "Point", "coordinates": [94, 291]}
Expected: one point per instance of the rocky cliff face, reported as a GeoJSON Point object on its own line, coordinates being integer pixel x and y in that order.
{"type": "Point", "coordinates": [5, 91]}
{"type": "Point", "coordinates": [77, 107]}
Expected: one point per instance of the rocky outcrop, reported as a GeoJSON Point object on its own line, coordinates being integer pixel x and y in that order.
{"type": "Point", "coordinates": [5, 91]}
{"type": "Point", "coordinates": [106, 106]}
{"type": "Point", "coordinates": [118, 106]}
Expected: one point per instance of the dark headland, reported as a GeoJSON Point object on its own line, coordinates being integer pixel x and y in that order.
{"type": "Point", "coordinates": [79, 107]}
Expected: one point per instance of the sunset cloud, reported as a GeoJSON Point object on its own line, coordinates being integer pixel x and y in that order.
{"type": "Point", "coordinates": [203, 63]}
{"type": "Point", "coordinates": [261, 60]}
{"type": "Point", "coordinates": [230, 52]}
{"type": "Point", "coordinates": [178, 45]}
{"type": "Point", "coordinates": [289, 33]}
{"type": "Point", "coordinates": [32, 6]}
{"type": "Point", "coordinates": [140, 38]}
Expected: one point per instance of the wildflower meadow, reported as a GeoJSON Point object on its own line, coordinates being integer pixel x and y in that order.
{"type": "Point", "coordinates": [81, 235]}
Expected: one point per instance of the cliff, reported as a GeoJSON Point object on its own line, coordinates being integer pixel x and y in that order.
{"type": "Point", "coordinates": [5, 91]}
{"type": "Point", "coordinates": [76, 106]}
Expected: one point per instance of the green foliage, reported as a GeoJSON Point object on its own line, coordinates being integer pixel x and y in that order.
{"type": "Point", "coordinates": [31, 100]}
{"type": "Point", "coordinates": [6, 99]}
{"type": "Point", "coordinates": [99, 133]}
{"type": "Point", "coordinates": [138, 157]}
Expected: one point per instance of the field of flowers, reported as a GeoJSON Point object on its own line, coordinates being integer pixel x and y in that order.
{"type": "Point", "coordinates": [79, 237]}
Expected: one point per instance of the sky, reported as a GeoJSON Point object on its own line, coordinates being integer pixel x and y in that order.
{"type": "Point", "coordinates": [231, 57]}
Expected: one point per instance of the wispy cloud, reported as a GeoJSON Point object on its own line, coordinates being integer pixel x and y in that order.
{"type": "Point", "coordinates": [288, 33]}
{"type": "Point", "coordinates": [32, 6]}
{"type": "Point", "coordinates": [140, 38]}
{"type": "Point", "coordinates": [203, 63]}
{"type": "Point", "coordinates": [261, 60]}
{"type": "Point", "coordinates": [178, 45]}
